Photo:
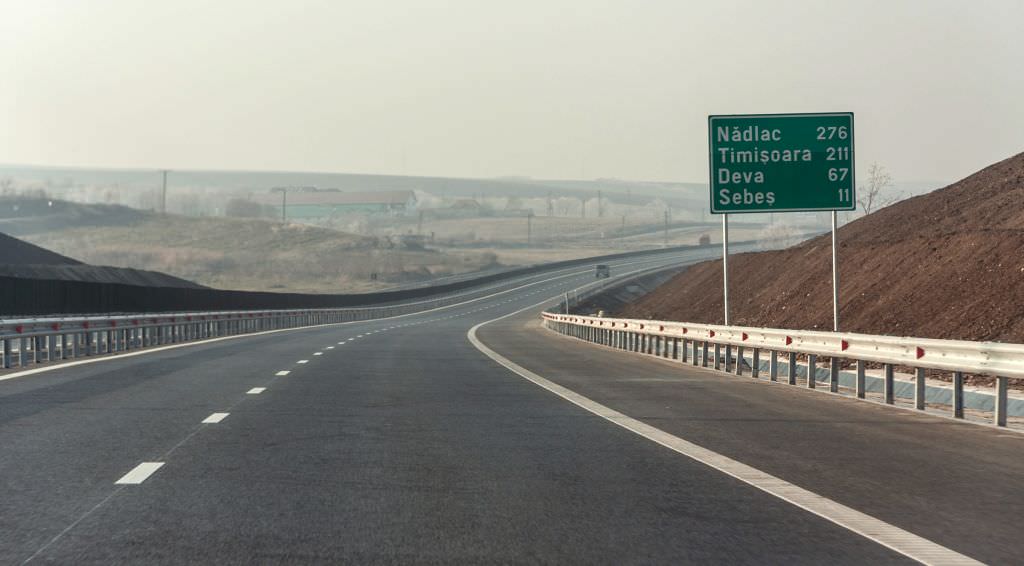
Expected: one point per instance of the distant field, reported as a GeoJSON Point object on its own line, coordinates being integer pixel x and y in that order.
{"type": "Point", "coordinates": [251, 254]}
{"type": "Point", "coordinates": [258, 254]}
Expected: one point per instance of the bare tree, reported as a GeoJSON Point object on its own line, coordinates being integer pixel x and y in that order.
{"type": "Point", "coordinates": [870, 198]}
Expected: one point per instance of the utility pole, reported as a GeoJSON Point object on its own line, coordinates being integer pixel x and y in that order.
{"type": "Point", "coordinates": [284, 201]}
{"type": "Point", "coordinates": [163, 194]}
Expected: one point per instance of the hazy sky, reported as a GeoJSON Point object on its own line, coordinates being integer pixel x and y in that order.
{"type": "Point", "coordinates": [549, 88]}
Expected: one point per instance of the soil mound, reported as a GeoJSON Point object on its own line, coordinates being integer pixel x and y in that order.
{"type": "Point", "coordinates": [23, 260]}
{"type": "Point", "coordinates": [17, 252]}
{"type": "Point", "coordinates": [947, 264]}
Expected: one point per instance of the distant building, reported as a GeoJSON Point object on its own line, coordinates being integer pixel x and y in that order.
{"type": "Point", "coordinates": [303, 203]}
{"type": "Point", "coordinates": [470, 205]}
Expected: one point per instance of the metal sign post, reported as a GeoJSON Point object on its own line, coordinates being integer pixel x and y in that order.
{"type": "Point", "coordinates": [835, 274]}
{"type": "Point", "coordinates": [725, 266]}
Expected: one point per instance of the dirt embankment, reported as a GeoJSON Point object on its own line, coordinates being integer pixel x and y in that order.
{"type": "Point", "coordinates": [948, 264]}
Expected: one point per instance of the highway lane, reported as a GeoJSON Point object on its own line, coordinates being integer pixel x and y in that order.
{"type": "Point", "coordinates": [958, 484]}
{"type": "Point", "coordinates": [67, 433]}
{"type": "Point", "coordinates": [401, 443]}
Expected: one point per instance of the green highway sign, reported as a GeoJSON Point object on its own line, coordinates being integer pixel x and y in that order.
{"type": "Point", "coordinates": [781, 162]}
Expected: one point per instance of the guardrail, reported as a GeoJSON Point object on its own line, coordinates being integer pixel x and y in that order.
{"type": "Point", "coordinates": [724, 347]}
{"type": "Point", "coordinates": [40, 340]}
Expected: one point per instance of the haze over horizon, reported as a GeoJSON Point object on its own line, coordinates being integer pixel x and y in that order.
{"type": "Point", "coordinates": [541, 89]}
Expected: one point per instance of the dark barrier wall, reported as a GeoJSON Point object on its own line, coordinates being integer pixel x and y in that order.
{"type": "Point", "coordinates": [27, 297]}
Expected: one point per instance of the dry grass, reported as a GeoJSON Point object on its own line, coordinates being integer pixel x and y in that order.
{"type": "Point", "coordinates": [257, 254]}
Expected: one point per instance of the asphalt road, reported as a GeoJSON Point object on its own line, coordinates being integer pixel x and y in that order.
{"type": "Point", "coordinates": [398, 441]}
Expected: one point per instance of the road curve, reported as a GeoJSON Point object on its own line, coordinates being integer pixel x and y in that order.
{"type": "Point", "coordinates": [399, 441]}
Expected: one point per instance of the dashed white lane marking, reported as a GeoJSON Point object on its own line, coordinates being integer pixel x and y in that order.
{"type": "Point", "coordinates": [342, 343]}
{"type": "Point", "coordinates": [330, 348]}
{"type": "Point", "coordinates": [139, 473]}
{"type": "Point", "coordinates": [283, 372]}
{"type": "Point", "coordinates": [302, 362]}
{"type": "Point", "coordinates": [318, 353]}
{"type": "Point", "coordinates": [256, 390]}
{"type": "Point", "coordinates": [215, 418]}
{"type": "Point", "coordinates": [904, 542]}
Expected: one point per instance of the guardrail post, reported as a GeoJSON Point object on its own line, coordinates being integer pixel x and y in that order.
{"type": "Point", "coordinates": [22, 353]}
{"type": "Point", "coordinates": [773, 366]}
{"type": "Point", "coordinates": [792, 368]}
{"type": "Point", "coordinates": [919, 389]}
{"type": "Point", "coordinates": [739, 359]}
{"type": "Point", "coordinates": [718, 356]}
{"type": "Point", "coordinates": [861, 379]}
{"type": "Point", "coordinates": [755, 368]}
{"type": "Point", "coordinates": [890, 397]}
{"type": "Point", "coordinates": [958, 394]}
{"type": "Point", "coordinates": [704, 354]}
{"type": "Point", "coordinates": [37, 349]}
{"type": "Point", "coordinates": [833, 375]}
{"type": "Point", "coordinates": [1002, 401]}
{"type": "Point", "coordinates": [683, 354]}
{"type": "Point", "coordinates": [5, 352]}
{"type": "Point", "coordinates": [812, 369]}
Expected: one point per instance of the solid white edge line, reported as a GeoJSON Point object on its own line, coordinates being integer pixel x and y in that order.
{"type": "Point", "coordinates": [139, 473]}
{"type": "Point", "coordinates": [256, 390]}
{"type": "Point", "coordinates": [890, 536]}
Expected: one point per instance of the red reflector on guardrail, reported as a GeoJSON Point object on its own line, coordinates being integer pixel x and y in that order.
{"type": "Point", "coordinates": [113, 324]}
{"type": "Point", "coordinates": [661, 328]}
{"type": "Point", "coordinates": [843, 345]}
{"type": "Point", "coordinates": [55, 326]}
{"type": "Point", "coordinates": [85, 324]}
{"type": "Point", "coordinates": [920, 352]}
{"type": "Point", "coordinates": [743, 335]}
{"type": "Point", "coordinates": [789, 340]}
{"type": "Point", "coordinates": [19, 329]}
{"type": "Point", "coordinates": [711, 333]}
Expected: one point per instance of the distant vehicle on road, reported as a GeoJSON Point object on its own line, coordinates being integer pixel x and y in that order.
{"type": "Point", "coordinates": [602, 270]}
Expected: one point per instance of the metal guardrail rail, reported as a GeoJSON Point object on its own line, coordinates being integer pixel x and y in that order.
{"type": "Point", "coordinates": [723, 347]}
{"type": "Point", "coordinates": [25, 341]}
{"type": "Point", "coordinates": [39, 340]}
